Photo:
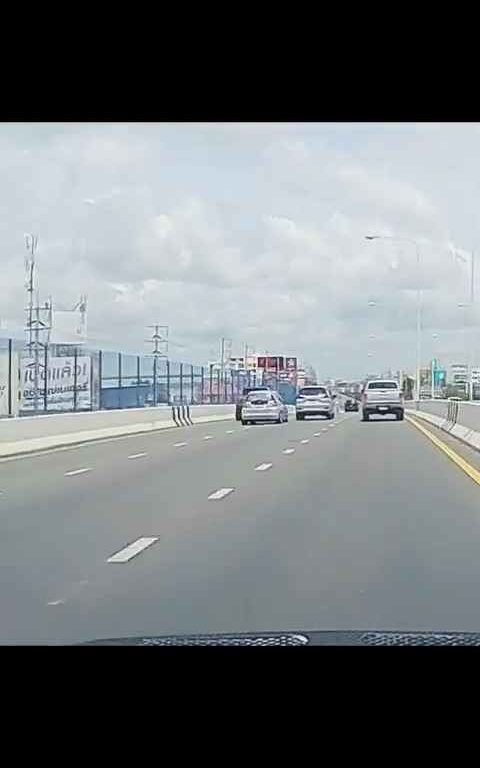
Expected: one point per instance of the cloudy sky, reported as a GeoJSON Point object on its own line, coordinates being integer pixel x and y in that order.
{"type": "Point", "coordinates": [251, 231]}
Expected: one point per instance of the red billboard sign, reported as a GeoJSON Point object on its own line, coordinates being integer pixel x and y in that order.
{"type": "Point", "coordinates": [291, 364]}
{"type": "Point", "coordinates": [275, 363]}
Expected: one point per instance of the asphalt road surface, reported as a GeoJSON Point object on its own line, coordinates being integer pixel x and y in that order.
{"type": "Point", "coordinates": [343, 525]}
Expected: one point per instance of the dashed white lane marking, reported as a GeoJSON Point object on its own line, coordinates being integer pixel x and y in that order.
{"type": "Point", "coordinates": [304, 441]}
{"type": "Point", "coordinates": [263, 467]}
{"type": "Point", "coordinates": [56, 602]}
{"type": "Point", "coordinates": [317, 434]}
{"type": "Point", "coordinates": [133, 549]}
{"type": "Point", "coordinates": [78, 471]}
{"type": "Point", "coordinates": [229, 431]}
{"type": "Point", "coordinates": [324, 429]}
{"type": "Point", "coordinates": [137, 455]}
{"type": "Point", "coordinates": [220, 493]}
{"type": "Point", "coordinates": [208, 437]}
{"type": "Point", "coordinates": [179, 445]}
{"type": "Point", "coordinates": [289, 450]}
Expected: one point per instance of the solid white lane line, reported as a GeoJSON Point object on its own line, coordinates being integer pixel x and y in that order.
{"type": "Point", "coordinates": [263, 467]}
{"type": "Point", "coordinates": [78, 471]}
{"type": "Point", "coordinates": [208, 437]}
{"type": "Point", "coordinates": [304, 441]}
{"type": "Point", "coordinates": [133, 549]}
{"type": "Point", "coordinates": [220, 493]}
{"type": "Point", "coordinates": [289, 450]}
{"type": "Point", "coordinates": [179, 445]}
{"type": "Point", "coordinates": [137, 455]}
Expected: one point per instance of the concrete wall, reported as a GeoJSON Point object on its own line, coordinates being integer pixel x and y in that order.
{"type": "Point", "coordinates": [29, 427]}
{"type": "Point", "coordinates": [468, 414]}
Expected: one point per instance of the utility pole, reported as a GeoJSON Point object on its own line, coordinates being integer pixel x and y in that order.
{"type": "Point", "coordinates": [159, 340]}
{"type": "Point", "coordinates": [35, 324]}
{"type": "Point", "coordinates": [226, 353]}
{"type": "Point", "coordinates": [222, 360]}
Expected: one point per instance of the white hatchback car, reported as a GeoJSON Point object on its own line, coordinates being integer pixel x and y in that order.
{"type": "Point", "coordinates": [264, 406]}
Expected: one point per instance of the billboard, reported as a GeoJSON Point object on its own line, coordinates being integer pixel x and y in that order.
{"type": "Point", "coordinates": [440, 377]}
{"type": "Point", "coordinates": [271, 363]}
{"type": "Point", "coordinates": [291, 363]}
{"type": "Point", "coordinates": [61, 381]}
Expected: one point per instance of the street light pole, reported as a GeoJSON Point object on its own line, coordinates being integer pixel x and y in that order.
{"type": "Point", "coordinates": [419, 304]}
{"type": "Point", "coordinates": [465, 306]}
{"type": "Point", "coordinates": [432, 373]}
{"type": "Point", "coordinates": [419, 324]}
{"type": "Point", "coordinates": [469, 306]}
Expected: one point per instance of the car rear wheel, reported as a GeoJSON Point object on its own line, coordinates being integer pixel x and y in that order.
{"type": "Point", "coordinates": [365, 416]}
{"type": "Point", "coordinates": [299, 416]}
{"type": "Point", "coordinates": [400, 416]}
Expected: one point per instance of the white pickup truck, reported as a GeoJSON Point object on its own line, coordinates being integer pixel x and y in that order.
{"type": "Point", "coordinates": [382, 396]}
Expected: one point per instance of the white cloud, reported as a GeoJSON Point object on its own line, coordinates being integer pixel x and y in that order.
{"type": "Point", "coordinates": [251, 231]}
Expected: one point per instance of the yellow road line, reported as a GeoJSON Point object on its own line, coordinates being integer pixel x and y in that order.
{"type": "Point", "coordinates": [473, 473]}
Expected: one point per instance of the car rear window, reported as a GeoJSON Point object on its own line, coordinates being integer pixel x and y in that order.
{"type": "Point", "coordinates": [313, 391]}
{"type": "Point", "coordinates": [383, 385]}
{"type": "Point", "coordinates": [260, 398]}
{"type": "Point", "coordinates": [247, 390]}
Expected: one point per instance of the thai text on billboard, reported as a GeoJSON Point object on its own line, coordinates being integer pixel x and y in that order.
{"type": "Point", "coordinates": [62, 379]}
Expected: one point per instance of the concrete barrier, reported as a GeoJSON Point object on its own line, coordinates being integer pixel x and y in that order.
{"type": "Point", "coordinates": [24, 435]}
{"type": "Point", "coordinates": [459, 418]}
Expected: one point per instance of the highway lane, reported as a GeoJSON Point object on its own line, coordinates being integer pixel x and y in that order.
{"type": "Point", "coordinates": [363, 526]}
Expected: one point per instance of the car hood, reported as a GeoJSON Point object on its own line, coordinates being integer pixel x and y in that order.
{"type": "Point", "coordinates": [301, 638]}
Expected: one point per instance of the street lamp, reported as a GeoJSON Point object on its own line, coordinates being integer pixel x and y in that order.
{"type": "Point", "coordinates": [469, 306]}
{"type": "Point", "coordinates": [432, 371]}
{"type": "Point", "coordinates": [465, 306]}
{"type": "Point", "coordinates": [418, 348]}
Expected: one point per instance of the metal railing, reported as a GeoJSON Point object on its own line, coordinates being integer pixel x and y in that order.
{"type": "Point", "coordinates": [84, 379]}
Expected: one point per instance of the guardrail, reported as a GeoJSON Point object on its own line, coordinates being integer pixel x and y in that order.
{"type": "Point", "coordinates": [452, 411]}
{"type": "Point", "coordinates": [457, 417]}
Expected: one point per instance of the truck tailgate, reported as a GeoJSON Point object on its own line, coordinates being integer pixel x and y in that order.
{"type": "Point", "coordinates": [383, 396]}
